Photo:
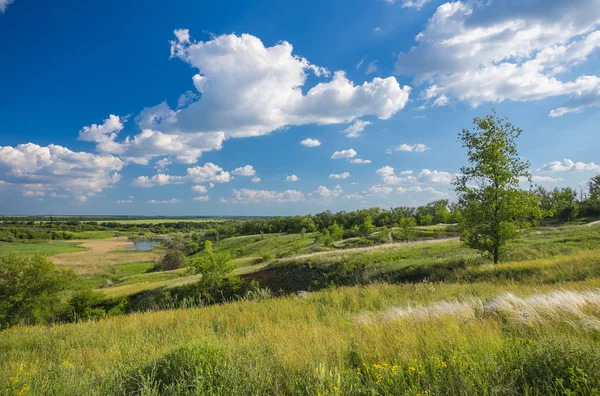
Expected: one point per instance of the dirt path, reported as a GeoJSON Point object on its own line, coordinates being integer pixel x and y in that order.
{"type": "Point", "coordinates": [593, 223]}
{"type": "Point", "coordinates": [368, 248]}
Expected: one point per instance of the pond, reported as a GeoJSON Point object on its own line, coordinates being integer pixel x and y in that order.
{"type": "Point", "coordinates": [142, 244]}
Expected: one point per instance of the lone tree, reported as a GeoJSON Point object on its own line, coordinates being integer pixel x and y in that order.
{"type": "Point", "coordinates": [494, 207]}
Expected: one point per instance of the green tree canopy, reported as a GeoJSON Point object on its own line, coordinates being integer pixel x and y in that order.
{"type": "Point", "coordinates": [494, 207]}
{"type": "Point", "coordinates": [30, 289]}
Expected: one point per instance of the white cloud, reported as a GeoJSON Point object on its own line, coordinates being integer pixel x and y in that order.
{"type": "Point", "coordinates": [385, 171]}
{"type": "Point", "coordinates": [360, 161]}
{"type": "Point", "coordinates": [377, 30]}
{"type": "Point", "coordinates": [208, 172]}
{"type": "Point", "coordinates": [255, 179]}
{"type": "Point", "coordinates": [167, 201]}
{"type": "Point", "coordinates": [350, 153]}
{"type": "Point", "coordinates": [427, 176]}
{"type": "Point", "coordinates": [34, 194]}
{"type": "Point", "coordinates": [183, 35]}
{"type": "Point", "coordinates": [186, 98]}
{"type": "Point", "coordinates": [255, 196]}
{"type": "Point", "coordinates": [417, 148]}
{"type": "Point", "coordinates": [418, 189]}
{"type": "Point", "coordinates": [310, 142]}
{"type": "Point", "coordinates": [57, 195]}
{"type": "Point", "coordinates": [202, 198]}
{"type": "Point", "coordinates": [406, 172]}
{"type": "Point", "coordinates": [124, 201]}
{"type": "Point", "coordinates": [353, 196]}
{"type": "Point", "coordinates": [418, 4]}
{"type": "Point", "coordinates": [542, 179]}
{"type": "Point", "coordinates": [200, 189]}
{"type": "Point", "coordinates": [379, 190]}
{"type": "Point", "coordinates": [104, 135]}
{"type": "Point", "coordinates": [326, 193]}
{"type": "Point", "coordinates": [4, 4]}
{"type": "Point", "coordinates": [160, 179]}
{"type": "Point", "coordinates": [505, 50]}
{"type": "Point", "coordinates": [292, 178]}
{"type": "Point", "coordinates": [247, 170]}
{"type": "Point", "coordinates": [57, 167]}
{"type": "Point", "coordinates": [344, 175]}
{"type": "Point", "coordinates": [568, 165]}
{"type": "Point", "coordinates": [162, 164]}
{"type": "Point", "coordinates": [372, 67]}
{"type": "Point", "coordinates": [246, 89]}
{"type": "Point", "coordinates": [354, 130]}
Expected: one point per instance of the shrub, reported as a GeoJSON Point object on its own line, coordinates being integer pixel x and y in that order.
{"type": "Point", "coordinates": [173, 259]}
{"type": "Point", "coordinates": [30, 289]}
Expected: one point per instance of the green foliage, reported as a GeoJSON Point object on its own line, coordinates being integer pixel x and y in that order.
{"type": "Point", "coordinates": [494, 207]}
{"type": "Point", "coordinates": [85, 304]}
{"type": "Point", "coordinates": [173, 259]}
{"type": "Point", "coordinates": [30, 289]}
{"type": "Point", "coordinates": [367, 228]}
{"type": "Point", "coordinates": [407, 229]}
{"type": "Point", "coordinates": [213, 267]}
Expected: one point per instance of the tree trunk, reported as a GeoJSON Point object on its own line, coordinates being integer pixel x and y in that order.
{"type": "Point", "coordinates": [496, 256]}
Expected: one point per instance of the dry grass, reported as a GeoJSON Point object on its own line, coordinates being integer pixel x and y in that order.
{"type": "Point", "coordinates": [101, 255]}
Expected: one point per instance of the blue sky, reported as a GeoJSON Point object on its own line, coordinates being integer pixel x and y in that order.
{"type": "Point", "coordinates": [274, 108]}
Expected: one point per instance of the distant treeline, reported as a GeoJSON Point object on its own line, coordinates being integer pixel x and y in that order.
{"type": "Point", "coordinates": [558, 205]}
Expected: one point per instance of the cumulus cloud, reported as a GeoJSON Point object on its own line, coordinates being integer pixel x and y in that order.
{"type": "Point", "coordinates": [568, 165]}
{"type": "Point", "coordinates": [326, 193]}
{"type": "Point", "coordinates": [310, 142]}
{"type": "Point", "coordinates": [504, 50]}
{"type": "Point", "coordinates": [160, 179]}
{"type": "Point", "coordinates": [244, 88]}
{"type": "Point", "coordinates": [200, 189]}
{"type": "Point", "coordinates": [354, 130]}
{"type": "Point", "coordinates": [208, 172]}
{"type": "Point", "coordinates": [255, 179]}
{"type": "Point", "coordinates": [202, 198]}
{"type": "Point", "coordinates": [162, 164]}
{"type": "Point", "coordinates": [124, 201]}
{"type": "Point", "coordinates": [247, 170]}
{"type": "Point", "coordinates": [292, 178]}
{"type": "Point", "coordinates": [255, 196]}
{"type": "Point", "coordinates": [248, 89]}
{"type": "Point", "coordinates": [55, 167]}
{"type": "Point", "coordinates": [104, 135]}
{"type": "Point", "coordinates": [344, 175]}
{"type": "Point", "coordinates": [167, 201]}
{"type": "Point", "coordinates": [428, 176]}
{"type": "Point", "coordinates": [417, 148]}
{"type": "Point", "coordinates": [360, 161]}
{"type": "Point", "coordinates": [350, 153]}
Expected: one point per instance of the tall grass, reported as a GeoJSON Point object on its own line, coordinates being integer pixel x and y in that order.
{"type": "Point", "coordinates": [312, 344]}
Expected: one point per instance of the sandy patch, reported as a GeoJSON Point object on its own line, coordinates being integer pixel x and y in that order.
{"type": "Point", "coordinates": [102, 253]}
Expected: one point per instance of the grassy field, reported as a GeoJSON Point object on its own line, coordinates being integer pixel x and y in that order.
{"type": "Point", "coordinates": [479, 338]}
{"type": "Point", "coordinates": [163, 221]}
{"type": "Point", "coordinates": [434, 318]}
{"type": "Point", "coordinates": [46, 247]}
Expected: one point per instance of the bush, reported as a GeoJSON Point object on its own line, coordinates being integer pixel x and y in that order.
{"type": "Point", "coordinates": [30, 289]}
{"type": "Point", "coordinates": [173, 259]}
{"type": "Point", "coordinates": [86, 304]}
